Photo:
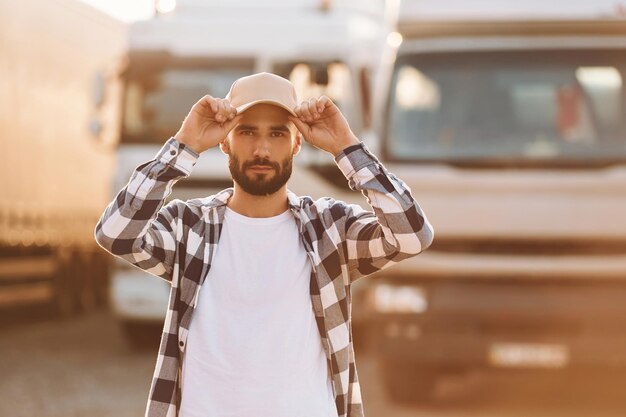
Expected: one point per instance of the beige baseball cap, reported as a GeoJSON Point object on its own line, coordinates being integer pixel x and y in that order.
{"type": "Point", "coordinates": [262, 87]}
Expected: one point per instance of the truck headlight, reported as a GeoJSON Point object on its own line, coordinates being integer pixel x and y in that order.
{"type": "Point", "coordinates": [165, 6]}
{"type": "Point", "coordinates": [390, 298]}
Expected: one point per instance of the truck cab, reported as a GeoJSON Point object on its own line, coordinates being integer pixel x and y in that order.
{"type": "Point", "coordinates": [510, 130]}
{"type": "Point", "coordinates": [202, 47]}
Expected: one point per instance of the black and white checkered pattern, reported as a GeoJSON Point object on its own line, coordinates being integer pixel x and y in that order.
{"type": "Point", "coordinates": [176, 242]}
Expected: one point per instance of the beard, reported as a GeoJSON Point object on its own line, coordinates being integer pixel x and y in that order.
{"type": "Point", "coordinates": [260, 183]}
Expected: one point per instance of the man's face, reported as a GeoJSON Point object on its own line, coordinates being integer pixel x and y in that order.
{"type": "Point", "coordinates": [260, 149]}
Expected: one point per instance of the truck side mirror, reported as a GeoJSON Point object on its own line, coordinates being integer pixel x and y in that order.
{"type": "Point", "coordinates": [98, 97]}
{"type": "Point", "coordinates": [104, 96]}
{"type": "Point", "coordinates": [365, 87]}
{"type": "Point", "coordinates": [98, 89]}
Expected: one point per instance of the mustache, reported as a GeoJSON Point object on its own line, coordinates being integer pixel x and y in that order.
{"type": "Point", "coordinates": [260, 163]}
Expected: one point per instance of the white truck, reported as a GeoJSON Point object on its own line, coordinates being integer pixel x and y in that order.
{"type": "Point", "coordinates": [200, 48]}
{"type": "Point", "coordinates": [58, 123]}
{"type": "Point", "coordinates": [507, 120]}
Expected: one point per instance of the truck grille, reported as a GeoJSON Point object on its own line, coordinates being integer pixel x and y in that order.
{"type": "Point", "coordinates": [525, 328]}
{"type": "Point", "coordinates": [552, 247]}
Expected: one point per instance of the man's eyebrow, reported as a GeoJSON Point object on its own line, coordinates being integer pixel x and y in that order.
{"type": "Point", "coordinates": [246, 127]}
{"type": "Point", "coordinates": [282, 128]}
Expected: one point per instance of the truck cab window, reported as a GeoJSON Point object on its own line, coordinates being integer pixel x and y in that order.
{"type": "Point", "coordinates": [514, 105]}
{"type": "Point", "coordinates": [156, 103]}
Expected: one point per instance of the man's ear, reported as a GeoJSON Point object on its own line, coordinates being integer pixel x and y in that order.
{"type": "Point", "coordinates": [296, 149]}
{"type": "Point", "coordinates": [225, 147]}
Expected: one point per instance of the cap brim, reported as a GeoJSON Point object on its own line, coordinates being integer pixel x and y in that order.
{"type": "Point", "coordinates": [246, 106]}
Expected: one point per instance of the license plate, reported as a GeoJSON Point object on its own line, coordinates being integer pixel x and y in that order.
{"type": "Point", "coordinates": [528, 355]}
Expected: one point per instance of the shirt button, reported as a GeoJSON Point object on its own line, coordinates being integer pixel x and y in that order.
{"type": "Point", "coordinates": [181, 343]}
{"type": "Point", "coordinates": [172, 152]}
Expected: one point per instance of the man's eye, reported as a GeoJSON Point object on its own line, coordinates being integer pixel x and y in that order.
{"type": "Point", "coordinates": [278, 133]}
{"type": "Point", "coordinates": [245, 132]}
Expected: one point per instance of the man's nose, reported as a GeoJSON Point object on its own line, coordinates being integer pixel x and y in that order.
{"type": "Point", "coordinates": [262, 148]}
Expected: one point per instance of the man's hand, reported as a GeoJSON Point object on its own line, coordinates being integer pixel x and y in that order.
{"type": "Point", "coordinates": [207, 124]}
{"type": "Point", "coordinates": [321, 123]}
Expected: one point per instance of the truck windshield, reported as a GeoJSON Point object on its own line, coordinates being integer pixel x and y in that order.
{"type": "Point", "coordinates": [502, 107]}
{"type": "Point", "coordinates": [156, 103]}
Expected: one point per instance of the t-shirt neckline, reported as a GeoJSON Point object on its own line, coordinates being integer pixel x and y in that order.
{"type": "Point", "coordinates": [232, 214]}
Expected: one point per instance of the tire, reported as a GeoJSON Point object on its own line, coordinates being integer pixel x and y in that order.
{"type": "Point", "coordinates": [363, 336]}
{"type": "Point", "coordinates": [85, 276]}
{"type": "Point", "coordinates": [407, 383]}
{"type": "Point", "coordinates": [102, 271]}
{"type": "Point", "coordinates": [64, 291]}
{"type": "Point", "coordinates": [141, 335]}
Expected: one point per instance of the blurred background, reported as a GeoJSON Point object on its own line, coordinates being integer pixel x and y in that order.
{"type": "Point", "coordinates": [506, 119]}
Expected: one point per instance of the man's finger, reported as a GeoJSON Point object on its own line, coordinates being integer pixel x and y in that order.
{"type": "Point", "coordinates": [232, 111]}
{"type": "Point", "coordinates": [296, 110]}
{"type": "Point", "coordinates": [227, 111]}
{"type": "Point", "coordinates": [300, 125]}
{"type": "Point", "coordinates": [313, 108]}
{"type": "Point", "coordinates": [209, 101]}
{"type": "Point", "coordinates": [323, 102]}
{"type": "Point", "coordinates": [222, 112]}
{"type": "Point", "coordinates": [230, 124]}
{"type": "Point", "coordinates": [304, 109]}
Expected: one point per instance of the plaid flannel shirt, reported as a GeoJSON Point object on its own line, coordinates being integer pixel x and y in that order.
{"type": "Point", "coordinates": [176, 242]}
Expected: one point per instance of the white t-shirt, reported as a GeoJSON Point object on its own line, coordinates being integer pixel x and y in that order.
{"type": "Point", "coordinates": [253, 347]}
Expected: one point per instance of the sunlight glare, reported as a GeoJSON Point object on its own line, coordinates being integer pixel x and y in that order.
{"type": "Point", "coordinates": [124, 10]}
{"type": "Point", "coordinates": [165, 6]}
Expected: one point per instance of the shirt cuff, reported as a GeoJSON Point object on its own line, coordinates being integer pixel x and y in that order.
{"type": "Point", "coordinates": [178, 155]}
{"type": "Point", "coordinates": [353, 158]}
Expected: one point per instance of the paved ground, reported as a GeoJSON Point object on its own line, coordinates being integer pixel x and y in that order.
{"type": "Point", "coordinates": [82, 367]}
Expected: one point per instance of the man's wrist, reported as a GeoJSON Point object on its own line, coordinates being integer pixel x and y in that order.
{"type": "Point", "coordinates": [188, 143]}
{"type": "Point", "coordinates": [178, 155]}
{"type": "Point", "coordinates": [353, 141]}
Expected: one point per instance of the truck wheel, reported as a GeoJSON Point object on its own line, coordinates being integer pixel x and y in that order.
{"type": "Point", "coordinates": [64, 291]}
{"type": "Point", "coordinates": [102, 283]}
{"type": "Point", "coordinates": [407, 383]}
{"type": "Point", "coordinates": [363, 336]}
{"type": "Point", "coordinates": [141, 335]}
{"type": "Point", "coordinates": [85, 276]}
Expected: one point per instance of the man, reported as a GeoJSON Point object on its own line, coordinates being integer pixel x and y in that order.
{"type": "Point", "coordinates": [265, 274]}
